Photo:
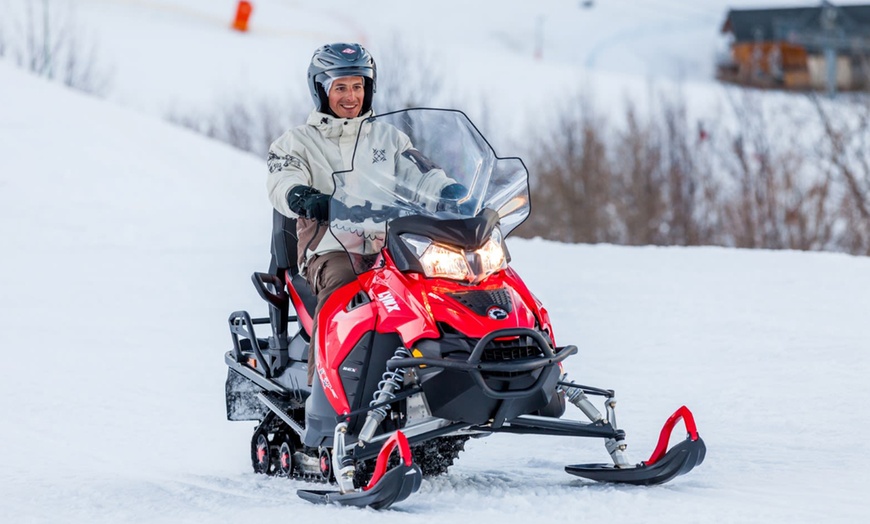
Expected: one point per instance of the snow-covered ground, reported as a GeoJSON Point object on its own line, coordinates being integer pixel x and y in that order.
{"type": "Point", "coordinates": [127, 242]}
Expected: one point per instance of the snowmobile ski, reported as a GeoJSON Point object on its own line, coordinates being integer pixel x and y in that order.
{"type": "Point", "coordinates": [385, 487]}
{"type": "Point", "coordinates": [661, 466]}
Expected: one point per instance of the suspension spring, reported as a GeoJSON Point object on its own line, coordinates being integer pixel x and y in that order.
{"type": "Point", "coordinates": [576, 396]}
{"type": "Point", "coordinates": [391, 381]}
{"type": "Point", "coordinates": [572, 394]}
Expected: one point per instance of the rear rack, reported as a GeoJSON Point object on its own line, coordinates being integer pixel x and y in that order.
{"type": "Point", "coordinates": [241, 329]}
{"type": "Point", "coordinates": [274, 356]}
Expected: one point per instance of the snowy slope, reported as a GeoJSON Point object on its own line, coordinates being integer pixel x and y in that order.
{"type": "Point", "coordinates": [126, 243]}
{"type": "Point", "coordinates": [177, 55]}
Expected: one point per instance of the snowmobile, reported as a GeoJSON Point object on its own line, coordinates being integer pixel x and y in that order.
{"type": "Point", "coordinates": [436, 342]}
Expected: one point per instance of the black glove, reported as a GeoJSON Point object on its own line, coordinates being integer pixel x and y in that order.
{"type": "Point", "coordinates": [454, 192]}
{"type": "Point", "coordinates": [450, 196]}
{"type": "Point", "coordinates": [308, 202]}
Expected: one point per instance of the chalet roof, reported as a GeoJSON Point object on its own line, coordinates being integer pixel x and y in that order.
{"type": "Point", "coordinates": [804, 25]}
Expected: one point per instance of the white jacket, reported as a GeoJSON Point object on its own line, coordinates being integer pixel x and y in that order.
{"type": "Point", "coordinates": [308, 155]}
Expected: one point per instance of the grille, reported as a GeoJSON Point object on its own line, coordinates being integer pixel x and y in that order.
{"type": "Point", "coordinates": [480, 300]}
{"type": "Point", "coordinates": [515, 349]}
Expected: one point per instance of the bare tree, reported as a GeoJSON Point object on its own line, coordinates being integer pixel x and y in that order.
{"type": "Point", "coordinates": [572, 179]}
{"type": "Point", "coordinates": [44, 39]}
{"type": "Point", "coordinates": [755, 184]}
{"type": "Point", "coordinates": [845, 152]}
{"type": "Point", "coordinates": [80, 66]}
{"type": "Point", "coordinates": [658, 179]}
{"type": "Point", "coordinates": [780, 199]}
{"type": "Point", "coordinates": [684, 179]}
{"type": "Point", "coordinates": [641, 200]}
{"type": "Point", "coordinates": [250, 125]}
{"type": "Point", "coordinates": [408, 77]}
{"type": "Point", "coordinates": [3, 37]}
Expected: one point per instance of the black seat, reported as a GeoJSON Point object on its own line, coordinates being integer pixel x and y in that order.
{"type": "Point", "coordinates": [284, 260]}
{"type": "Point", "coordinates": [309, 300]}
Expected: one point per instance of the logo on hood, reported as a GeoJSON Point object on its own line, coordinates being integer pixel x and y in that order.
{"type": "Point", "coordinates": [496, 313]}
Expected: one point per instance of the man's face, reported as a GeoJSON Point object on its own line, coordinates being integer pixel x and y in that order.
{"type": "Point", "coordinates": [346, 96]}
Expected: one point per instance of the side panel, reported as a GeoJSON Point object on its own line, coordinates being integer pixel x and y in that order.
{"type": "Point", "coordinates": [402, 305]}
{"type": "Point", "coordinates": [364, 380]}
{"type": "Point", "coordinates": [338, 333]}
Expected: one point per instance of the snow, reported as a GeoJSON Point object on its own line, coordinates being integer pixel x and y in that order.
{"type": "Point", "coordinates": [127, 242]}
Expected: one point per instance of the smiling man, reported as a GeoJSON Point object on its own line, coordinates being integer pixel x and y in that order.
{"type": "Point", "coordinates": [342, 79]}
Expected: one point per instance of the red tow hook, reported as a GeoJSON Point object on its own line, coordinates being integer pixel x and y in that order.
{"type": "Point", "coordinates": [397, 440]}
{"type": "Point", "coordinates": [665, 436]}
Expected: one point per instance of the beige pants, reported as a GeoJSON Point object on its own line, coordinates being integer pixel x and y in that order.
{"type": "Point", "coordinates": [326, 273]}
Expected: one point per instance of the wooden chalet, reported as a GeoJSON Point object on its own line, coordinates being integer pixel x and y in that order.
{"type": "Point", "coordinates": [801, 48]}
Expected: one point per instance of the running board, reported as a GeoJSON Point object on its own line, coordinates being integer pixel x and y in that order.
{"type": "Point", "coordinates": [273, 406]}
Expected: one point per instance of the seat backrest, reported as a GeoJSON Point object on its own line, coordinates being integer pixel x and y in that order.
{"type": "Point", "coordinates": [284, 242]}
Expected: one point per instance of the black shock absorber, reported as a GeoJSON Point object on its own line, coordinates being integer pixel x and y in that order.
{"type": "Point", "coordinates": [390, 382]}
{"type": "Point", "coordinates": [615, 447]}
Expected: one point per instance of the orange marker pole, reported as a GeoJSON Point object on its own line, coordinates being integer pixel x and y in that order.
{"type": "Point", "coordinates": [243, 13]}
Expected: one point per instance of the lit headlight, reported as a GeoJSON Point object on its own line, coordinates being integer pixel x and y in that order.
{"type": "Point", "coordinates": [443, 261]}
{"type": "Point", "coordinates": [492, 255]}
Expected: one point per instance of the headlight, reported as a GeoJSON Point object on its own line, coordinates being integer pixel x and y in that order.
{"type": "Point", "coordinates": [492, 255]}
{"type": "Point", "coordinates": [443, 261]}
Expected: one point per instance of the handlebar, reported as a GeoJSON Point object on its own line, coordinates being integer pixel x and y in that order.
{"type": "Point", "coordinates": [359, 213]}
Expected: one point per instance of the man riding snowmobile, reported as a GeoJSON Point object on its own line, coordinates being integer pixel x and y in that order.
{"type": "Point", "coordinates": [424, 335]}
{"type": "Point", "coordinates": [342, 79]}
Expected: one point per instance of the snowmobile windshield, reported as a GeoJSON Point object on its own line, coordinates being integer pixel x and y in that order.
{"type": "Point", "coordinates": [424, 162]}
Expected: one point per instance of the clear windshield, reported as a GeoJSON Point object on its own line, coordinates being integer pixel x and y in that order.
{"type": "Point", "coordinates": [422, 162]}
